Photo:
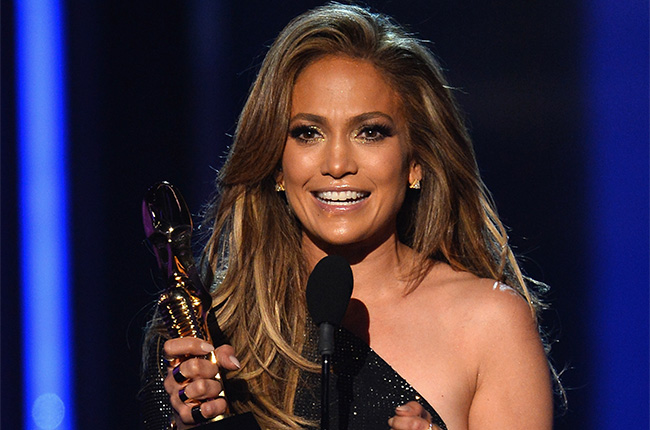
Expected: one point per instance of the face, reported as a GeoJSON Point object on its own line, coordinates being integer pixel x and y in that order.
{"type": "Point", "coordinates": [345, 166]}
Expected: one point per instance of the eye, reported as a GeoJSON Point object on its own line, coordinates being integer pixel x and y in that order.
{"type": "Point", "coordinates": [374, 132]}
{"type": "Point", "coordinates": [306, 133]}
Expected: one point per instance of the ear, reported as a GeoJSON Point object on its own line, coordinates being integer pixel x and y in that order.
{"type": "Point", "coordinates": [415, 172]}
{"type": "Point", "coordinates": [279, 177]}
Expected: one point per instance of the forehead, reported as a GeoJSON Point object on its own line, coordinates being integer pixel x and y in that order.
{"type": "Point", "coordinates": [339, 85]}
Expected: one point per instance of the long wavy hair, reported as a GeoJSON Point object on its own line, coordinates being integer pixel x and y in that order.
{"type": "Point", "coordinates": [254, 245]}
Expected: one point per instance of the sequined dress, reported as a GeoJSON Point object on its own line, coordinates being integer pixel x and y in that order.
{"type": "Point", "coordinates": [364, 390]}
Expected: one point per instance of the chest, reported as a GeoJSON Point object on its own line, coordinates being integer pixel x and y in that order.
{"type": "Point", "coordinates": [423, 346]}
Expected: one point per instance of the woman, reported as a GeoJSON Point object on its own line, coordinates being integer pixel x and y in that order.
{"type": "Point", "coordinates": [350, 144]}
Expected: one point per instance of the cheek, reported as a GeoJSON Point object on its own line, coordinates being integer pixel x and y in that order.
{"type": "Point", "coordinates": [299, 168]}
{"type": "Point", "coordinates": [395, 184]}
{"type": "Point", "coordinates": [294, 166]}
{"type": "Point", "coordinates": [293, 180]}
{"type": "Point", "coordinates": [392, 171]}
{"type": "Point", "coordinates": [294, 176]}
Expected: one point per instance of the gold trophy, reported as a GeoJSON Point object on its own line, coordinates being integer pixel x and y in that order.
{"type": "Point", "coordinates": [185, 302]}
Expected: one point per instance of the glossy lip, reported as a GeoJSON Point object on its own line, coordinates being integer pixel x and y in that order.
{"type": "Point", "coordinates": [342, 205]}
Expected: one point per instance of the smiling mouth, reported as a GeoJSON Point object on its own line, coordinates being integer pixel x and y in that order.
{"type": "Point", "coordinates": [341, 197]}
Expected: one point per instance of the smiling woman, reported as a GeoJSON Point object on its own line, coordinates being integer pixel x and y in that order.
{"type": "Point", "coordinates": [350, 143]}
{"type": "Point", "coordinates": [346, 162]}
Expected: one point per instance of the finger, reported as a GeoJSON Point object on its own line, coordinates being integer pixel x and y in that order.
{"type": "Point", "coordinates": [184, 346]}
{"type": "Point", "coordinates": [182, 394]}
{"type": "Point", "coordinates": [193, 414]}
{"type": "Point", "coordinates": [196, 368]}
{"type": "Point", "coordinates": [177, 375]}
{"type": "Point", "coordinates": [410, 423]}
{"type": "Point", "coordinates": [194, 393]}
{"type": "Point", "coordinates": [412, 409]}
{"type": "Point", "coordinates": [203, 389]}
{"type": "Point", "coordinates": [213, 408]}
{"type": "Point", "coordinates": [226, 357]}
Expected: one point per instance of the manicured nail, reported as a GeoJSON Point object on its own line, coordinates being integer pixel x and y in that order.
{"type": "Point", "coordinates": [234, 361]}
{"type": "Point", "coordinates": [403, 408]}
{"type": "Point", "coordinates": [205, 346]}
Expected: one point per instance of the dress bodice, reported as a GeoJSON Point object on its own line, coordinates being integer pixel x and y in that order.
{"type": "Point", "coordinates": [364, 389]}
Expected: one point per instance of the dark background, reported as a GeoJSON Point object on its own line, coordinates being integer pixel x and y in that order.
{"type": "Point", "coordinates": [154, 90]}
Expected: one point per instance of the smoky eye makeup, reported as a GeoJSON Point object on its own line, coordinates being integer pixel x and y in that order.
{"type": "Point", "coordinates": [305, 133]}
{"type": "Point", "coordinates": [375, 132]}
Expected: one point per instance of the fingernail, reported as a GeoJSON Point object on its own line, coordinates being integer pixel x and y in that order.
{"type": "Point", "coordinates": [390, 422]}
{"type": "Point", "coordinates": [403, 408]}
{"type": "Point", "coordinates": [234, 361]}
{"type": "Point", "coordinates": [205, 346]}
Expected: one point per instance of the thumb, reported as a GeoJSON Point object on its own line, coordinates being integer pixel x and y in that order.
{"type": "Point", "coordinates": [411, 409]}
{"type": "Point", "coordinates": [226, 357]}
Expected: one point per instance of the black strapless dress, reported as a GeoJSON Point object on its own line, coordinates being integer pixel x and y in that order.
{"type": "Point", "coordinates": [364, 389]}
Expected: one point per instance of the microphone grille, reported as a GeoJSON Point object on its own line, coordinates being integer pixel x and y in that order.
{"type": "Point", "coordinates": [329, 289]}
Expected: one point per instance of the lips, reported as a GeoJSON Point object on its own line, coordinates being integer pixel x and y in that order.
{"type": "Point", "coordinates": [341, 197]}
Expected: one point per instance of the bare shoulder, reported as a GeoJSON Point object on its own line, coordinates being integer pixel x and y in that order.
{"type": "Point", "coordinates": [493, 316]}
{"type": "Point", "coordinates": [485, 301]}
{"type": "Point", "coordinates": [501, 343]}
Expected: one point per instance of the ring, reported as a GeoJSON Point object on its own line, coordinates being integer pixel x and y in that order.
{"type": "Point", "coordinates": [197, 415]}
{"type": "Point", "coordinates": [170, 362]}
{"type": "Point", "coordinates": [178, 376]}
{"type": "Point", "coordinates": [430, 426]}
{"type": "Point", "coordinates": [183, 396]}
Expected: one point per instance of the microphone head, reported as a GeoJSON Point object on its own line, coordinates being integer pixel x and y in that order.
{"type": "Point", "coordinates": [329, 289]}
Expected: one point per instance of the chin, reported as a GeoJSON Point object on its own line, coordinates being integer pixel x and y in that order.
{"type": "Point", "coordinates": [334, 242]}
{"type": "Point", "coordinates": [340, 240]}
{"type": "Point", "coordinates": [325, 240]}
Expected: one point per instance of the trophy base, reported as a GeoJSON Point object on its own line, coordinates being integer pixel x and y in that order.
{"type": "Point", "coordinates": [244, 421]}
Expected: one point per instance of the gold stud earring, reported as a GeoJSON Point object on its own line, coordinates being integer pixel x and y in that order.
{"type": "Point", "coordinates": [279, 187]}
{"type": "Point", "coordinates": [415, 185]}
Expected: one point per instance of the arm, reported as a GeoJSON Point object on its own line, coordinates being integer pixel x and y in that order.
{"type": "Point", "coordinates": [513, 386]}
{"type": "Point", "coordinates": [501, 352]}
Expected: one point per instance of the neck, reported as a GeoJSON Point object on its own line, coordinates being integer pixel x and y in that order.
{"type": "Point", "coordinates": [377, 270]}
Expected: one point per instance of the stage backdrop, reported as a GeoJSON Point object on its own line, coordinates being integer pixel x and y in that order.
{"type": "Point", "coordinates": [556, 97]}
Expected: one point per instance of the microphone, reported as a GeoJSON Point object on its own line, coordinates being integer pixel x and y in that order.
{"type": "Point", "coordinates": [329, 289]}
{"type": "Point", "coordinates": [328, 293]}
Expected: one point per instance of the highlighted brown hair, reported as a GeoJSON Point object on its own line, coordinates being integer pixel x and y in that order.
{"type": "Point", "coordinates": [255, 244]}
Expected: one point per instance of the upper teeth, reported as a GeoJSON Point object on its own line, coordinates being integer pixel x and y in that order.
{"type": "Point", "coordinates": [341, 195]}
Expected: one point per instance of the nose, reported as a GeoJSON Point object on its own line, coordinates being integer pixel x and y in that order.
{"type": "Point", "coordinates": [339, 157]}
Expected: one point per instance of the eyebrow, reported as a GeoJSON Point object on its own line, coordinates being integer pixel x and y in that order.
{"type": "Point", "coordinates": [321, 120]}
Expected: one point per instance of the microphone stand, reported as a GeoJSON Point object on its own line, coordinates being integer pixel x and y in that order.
{"type": "Point", "coordinates": [326, 349]}
{"type": "Point", "coordinates": [325, 393]}
{"type": "Point", "coordinates": [328, 292]}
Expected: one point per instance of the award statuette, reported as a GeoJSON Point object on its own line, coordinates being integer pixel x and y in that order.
{"type": "Point", "coordinates": [185, 302]}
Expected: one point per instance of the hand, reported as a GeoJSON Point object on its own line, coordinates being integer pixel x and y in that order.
{"type": "Point", "coordinates": [411, 416]}
{"type": "Point", "coordinates": [197, 377]}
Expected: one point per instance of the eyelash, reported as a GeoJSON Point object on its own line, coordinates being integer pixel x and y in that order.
{"type": "Point", "coordinates": [381, 132]}
{"type": "Point", "coordinates": [300, 131]}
